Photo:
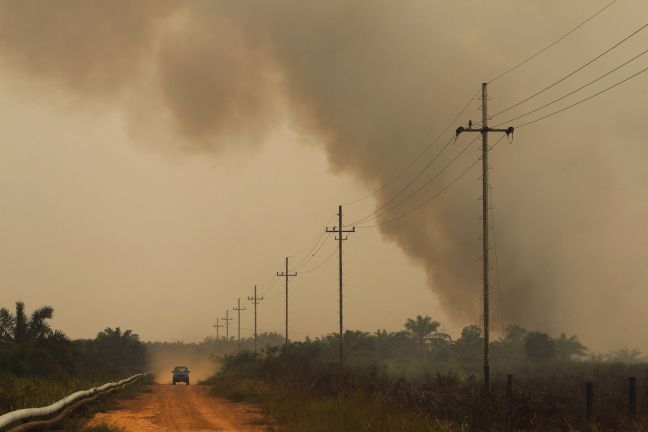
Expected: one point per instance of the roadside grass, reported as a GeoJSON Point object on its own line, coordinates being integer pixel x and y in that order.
{"type": "Point", "coordinates": [17, 393]}
{"type": "Point", "coordinates": [31, 392]}
{"type": "Point", "coordinates": [300, 393]}
{"type": "Point", "coordinates": [291, 410]}
{"type": "Point", "coordinates": [28, 392]}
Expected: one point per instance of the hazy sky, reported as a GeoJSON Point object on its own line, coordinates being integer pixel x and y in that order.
{"type": "Point", "coordinates": [160, 158]}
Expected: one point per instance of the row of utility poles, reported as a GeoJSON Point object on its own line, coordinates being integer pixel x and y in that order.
{"type": "Point", "coordinates": [342, 235]}
{"type": "Point", "coordinates": [255, 301]}
{"type": "Point", "coordinates": [287, 274]}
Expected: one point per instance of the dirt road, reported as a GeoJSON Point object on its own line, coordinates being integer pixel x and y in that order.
{"type": "Point", "coordinates": [181, 408]}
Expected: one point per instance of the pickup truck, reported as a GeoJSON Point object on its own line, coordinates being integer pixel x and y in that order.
{"type": "Point", "coordinates": [180, 374]}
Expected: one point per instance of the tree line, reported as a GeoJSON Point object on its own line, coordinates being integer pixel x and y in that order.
{"type": "Point", "coordinates": [421, 343]}
{"type": "Point", "coordinates": [30, 347]}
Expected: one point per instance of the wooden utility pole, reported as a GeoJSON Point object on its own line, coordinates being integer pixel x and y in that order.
{"type": "Point", "coordinates": [218, 327]}
{"type": "Point", "coordinates": [238, 309]}
{"type": "Point", "coordinates": [255, 301]}
{"type": "Point", "coordinates": [227, 319]}
{"type": "Point", "coordinates": [287, 275]}
{"type": "Point", "coordinates": [339, 230]}
{"type": "Point", "coordinates": [484, 130]}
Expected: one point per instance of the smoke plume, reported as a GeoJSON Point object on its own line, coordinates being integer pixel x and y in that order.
{"type": "Point", "coordinates": [376, 81]}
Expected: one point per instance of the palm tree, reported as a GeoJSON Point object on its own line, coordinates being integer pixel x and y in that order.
{"type": "Point", "coordinates": [626, 355]}
{"type": "Point", "coordinates": [19, 328]}
{"type": "Point", "coordinates": [421, 329]}
{"type": "Point", "coordinates": [569, 347]}
{"type": "Point", "coordinates": [118, 349]}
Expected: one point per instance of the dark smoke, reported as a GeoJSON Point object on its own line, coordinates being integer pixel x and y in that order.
{"type": "Point", "coordinates": [375, 79]}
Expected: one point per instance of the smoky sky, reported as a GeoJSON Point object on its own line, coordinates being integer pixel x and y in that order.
{"type": "Point", "coordinates": [376, 81]}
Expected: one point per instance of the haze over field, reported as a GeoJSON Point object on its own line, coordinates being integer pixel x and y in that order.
{"type": "Point", "coordinates": [160, 158]}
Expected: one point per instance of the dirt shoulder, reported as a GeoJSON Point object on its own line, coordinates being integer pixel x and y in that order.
{"type": "Point", "coordinates": [181, 408]}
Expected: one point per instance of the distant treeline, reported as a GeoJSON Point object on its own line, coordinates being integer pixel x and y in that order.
{"type": "Point", "coordinates": [213, 347]}
{"type": "Point", "coordinates": [30, 347]}
{"type": "Point", "coordinates": [421, 343]}
{"type": "Point", "coordinates": [420, 379]}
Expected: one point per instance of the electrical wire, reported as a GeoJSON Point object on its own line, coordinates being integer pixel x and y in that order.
{"type": "Point", "coordinates": [419, 156]}
{"type": "Point", "coordinates": [328, 258]}
{"type": "Point", "coordinates": [272, 296]}
{"type": "Point", "coordinates": [571, 73]}
{"type": "Point", "coordinates": [425, 203]}
{"type": "Point", "coordinates": [400, 192]}
{"type": "Point", "coordinates": [312, 256]}
{"type": "Point", "coordinates": [433, 197]}
{"type": "Point", "coordinates": [583, 100]}
{"type": "Point", "coordinates": [317, 239]}
{"type": "Point", "coordinates": [537, 53]}
{"type": "Point", "coordinates": [271, 286]}
{"type": "Point", "coordinates": [574, 91]}
{"type": "Point", "coordinates": [430, 180]}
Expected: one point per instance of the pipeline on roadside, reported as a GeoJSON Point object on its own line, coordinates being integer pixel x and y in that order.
{"type": "Point", "coordinates": [28, 419]}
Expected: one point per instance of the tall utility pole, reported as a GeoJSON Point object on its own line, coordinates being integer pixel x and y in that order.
{"type": "Point", "coordinates": [255, 301]}
{"type": "Point", "coordinates": [339, 230]}
{"type": "Point", "coordinates": [287, 275]}
{"type": "Point", "coordinates": [227, 319]}
{"type": "Point", "coordinates": [218, 327]}
{"type": "Point", "coordinates": [484, 130]}
{"type": "Point", "coordinates": [238, 309]}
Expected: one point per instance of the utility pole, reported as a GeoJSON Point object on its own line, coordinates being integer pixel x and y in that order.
{"type": "Point", "coordinates": [255, 301]}
{"type": "Point", "coordinates": [339, 230]}
{"type": "Point", "coordinates": [286, 274]}
{"type": "Point", "coordinates": [238, 309]}
{"type": "Point", "coordinates": [227, 319]}
{"type": "Point", "coordinates": [484, 130]}
{"type": "Point", "coordinates": [218, 326]}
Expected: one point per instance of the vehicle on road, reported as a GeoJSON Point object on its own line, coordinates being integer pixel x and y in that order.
{"type": "Point", "coordinates": [180, 374]}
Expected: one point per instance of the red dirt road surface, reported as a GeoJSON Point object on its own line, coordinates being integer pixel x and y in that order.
{"type": "Point", "coordinates": [181, 408]}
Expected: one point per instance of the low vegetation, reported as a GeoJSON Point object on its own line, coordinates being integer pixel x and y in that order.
{"type": "Point", "coordinates": [40, 365]}
{"type": "Point", "coordinates": [422, 380]}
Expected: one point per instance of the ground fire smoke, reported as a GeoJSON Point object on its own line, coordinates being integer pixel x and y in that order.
{"type": "Point", "coordinates": [376, 81]}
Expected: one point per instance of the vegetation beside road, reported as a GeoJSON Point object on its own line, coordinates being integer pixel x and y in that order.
{"type": "Point", "coordinates": [40, 365]}
{"type": "Point", "coordinates": [421, 380]}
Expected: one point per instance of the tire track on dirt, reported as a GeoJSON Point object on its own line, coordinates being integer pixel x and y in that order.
{"type": "Point", "coordinates": [181, 408]}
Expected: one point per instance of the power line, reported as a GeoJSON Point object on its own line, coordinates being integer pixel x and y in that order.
{"type": "Point", "coordinates": [328, 258]}
{"type": "Point", "coordinates": [416, 177]}
{"type": "Point", "coordinates": [227, 319]}
{"type": "Point", "coordinates": [407, 213]}
{"type": "Point", "coordinates": [311, 256]}
{"type": "Point", "coordinates": [272, 296]}
{"type": "Point", "coordinates": [571, 73]}
{"type": "Point", "coordinates": [255, 301]}
{"type": "Point", "coordinates": [314, 242]}
{"type": "Point", "coordinates": [542, 50]}
{"type": "Point", "coordinates": [416, 159]}
{"type": "Point", "coordinates": [340, 237]}
{"type": "Point", "coordinates": [218, 326]}
{"type": "Point", "coordinates": [484, 131]}
{"type": "Point", "coordinates": [584, 100]}
{"type": "Point", "coordinates": [238, 309]}
{"type": "Point", "coordinates": [287, 275]}
{"type": "Point", "coordinates": [270, 286]}
{"type": "Point", "coordinates": [432, 198]}
{"type": "Point", "coordinates": [577, 90]}
{"type": "Point", "coordinates": [377, 214]}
